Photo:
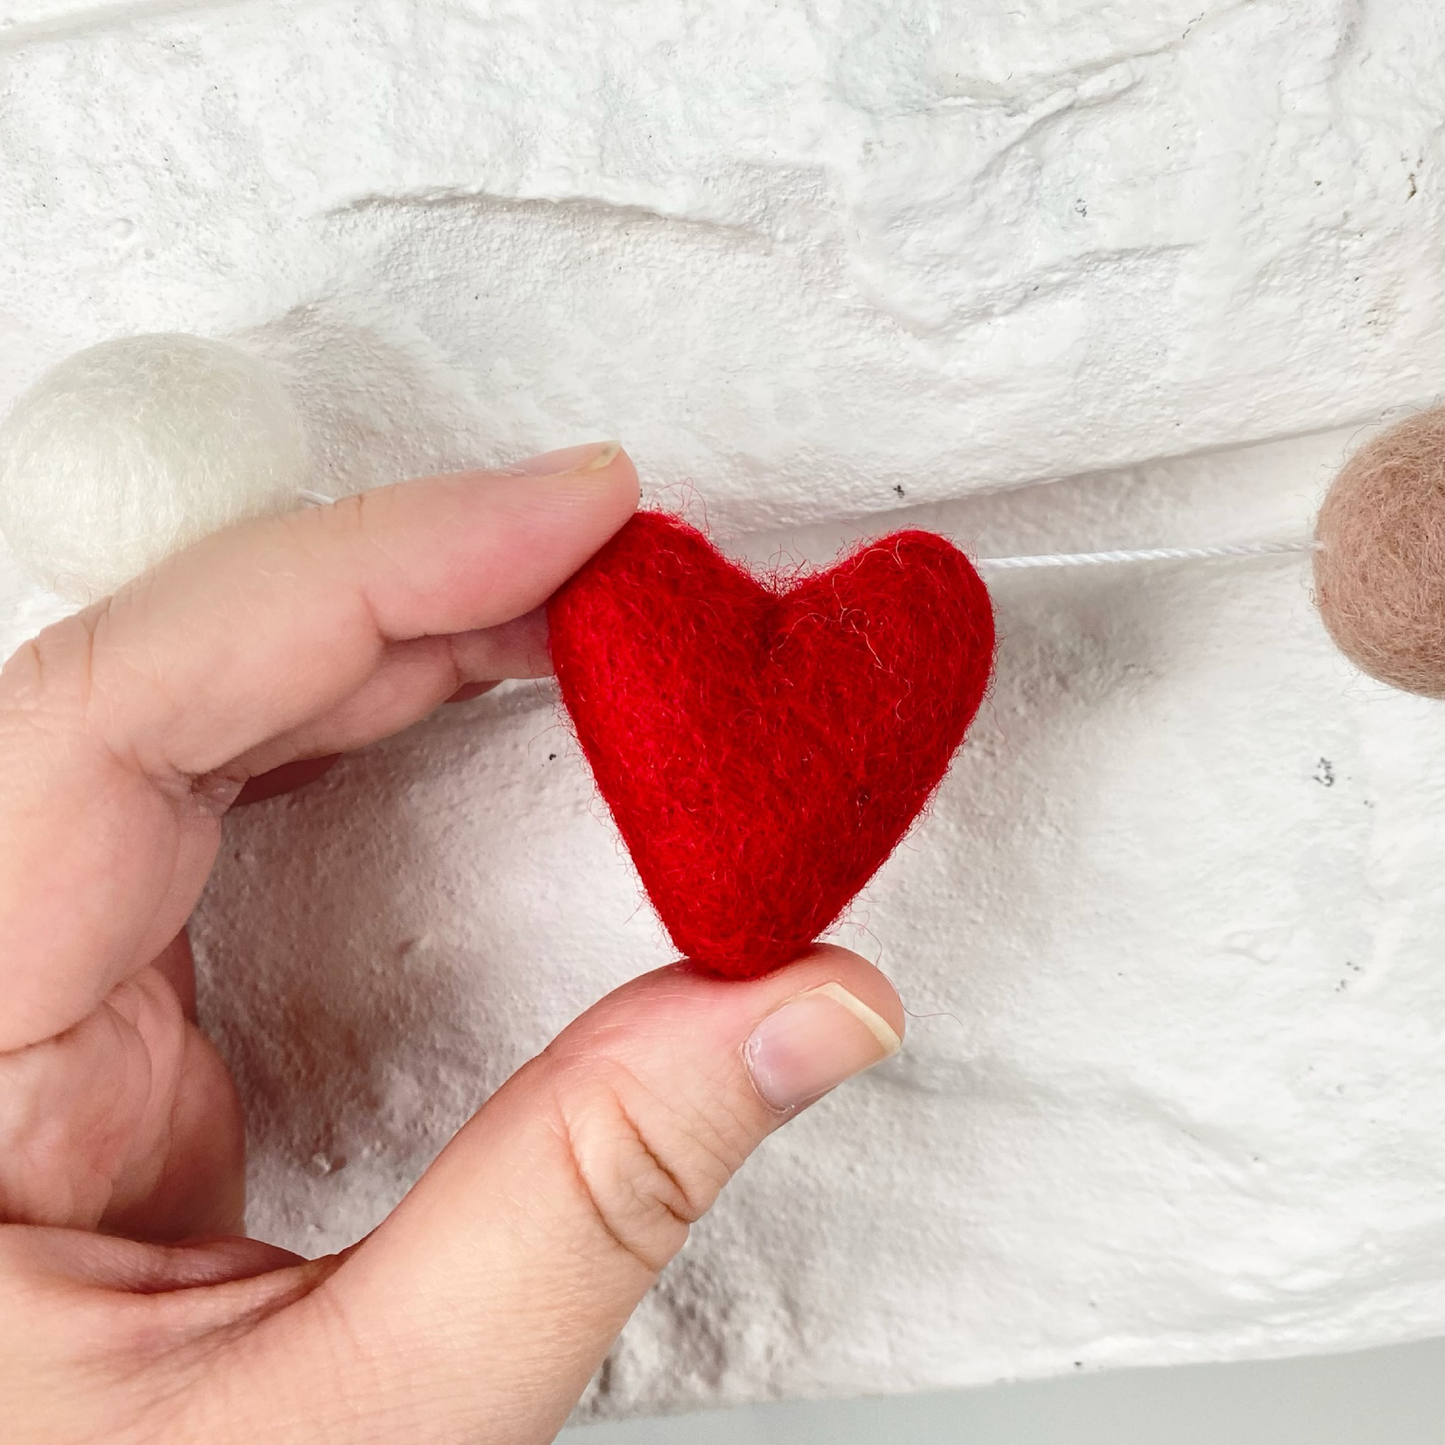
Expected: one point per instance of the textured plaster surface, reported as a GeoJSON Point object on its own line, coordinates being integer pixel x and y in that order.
{"type": "Point", "coordinates": [800, 252]}
{"type": "Point", "coordinates": [1171, 933]}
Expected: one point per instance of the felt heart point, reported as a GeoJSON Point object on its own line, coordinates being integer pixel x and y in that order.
{"type": "Point", "coordinates": [763, 744]}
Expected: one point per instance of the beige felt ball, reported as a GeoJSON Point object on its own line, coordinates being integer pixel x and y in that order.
{"type": "Point", "coordinates": [138, 447]}
{"type": "Point", "coordinates": [1380, 566]}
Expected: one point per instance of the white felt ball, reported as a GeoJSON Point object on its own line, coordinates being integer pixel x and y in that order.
{"type": "Point", "coordinates": [136, 448]}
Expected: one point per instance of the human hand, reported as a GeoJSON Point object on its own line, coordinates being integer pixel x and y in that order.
{"type": "Point", "coordinates": [130, 1308]}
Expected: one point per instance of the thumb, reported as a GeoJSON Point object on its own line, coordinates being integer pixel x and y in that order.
{"type": "Point", "coordinates": [492, 1293]}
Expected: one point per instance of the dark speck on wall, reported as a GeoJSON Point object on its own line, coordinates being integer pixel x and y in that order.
{"type": "Point", "coordinates": [898, 487]}
{"type": "Point", "coordinates": [551, 757]}
{"type": "Point", "coordinates": [1324, 775]}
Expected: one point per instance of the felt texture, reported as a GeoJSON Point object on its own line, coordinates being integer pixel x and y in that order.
{"type": "Point", "coordinates": [764, 743]}
{"type": "Point", "coordinates": [130, 450]}
{"type": "Point", "coordinates": [1380, 568]}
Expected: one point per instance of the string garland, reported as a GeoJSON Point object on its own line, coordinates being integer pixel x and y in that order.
{"type": "Point", "coordinates": [1143, 554]}
{"type": "Point", "coordinates": [1074, 559]}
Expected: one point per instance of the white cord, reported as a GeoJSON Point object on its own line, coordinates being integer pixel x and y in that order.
{"type": "Point", "coordinates": [1147, 554]}
{"type": "Point", "coordinates": [1067, 559]}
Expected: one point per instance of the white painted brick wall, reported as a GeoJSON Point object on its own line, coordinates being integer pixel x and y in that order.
{"type": "Point", "coordinates": [1177, 1093]}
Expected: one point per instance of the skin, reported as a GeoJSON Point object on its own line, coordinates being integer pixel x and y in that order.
{"type": "Point", "coordinates": [132, 1307]}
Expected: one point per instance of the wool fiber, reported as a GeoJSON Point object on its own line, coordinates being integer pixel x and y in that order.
{"type": "Point", "coordinates": [130, 450]}
{"type": "Point", "coordinates": [1380, 567]}
{"type": "Point", "coordinates": [764, 743]}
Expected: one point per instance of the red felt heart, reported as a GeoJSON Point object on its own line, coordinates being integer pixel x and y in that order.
{"type": "Point", "coordinates": [764, 744]}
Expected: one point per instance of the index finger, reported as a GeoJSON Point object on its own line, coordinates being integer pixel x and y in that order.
{"type": "Point", "coordinates": [111, 721]}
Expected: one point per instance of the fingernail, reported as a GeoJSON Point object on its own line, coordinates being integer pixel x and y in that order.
{"type": "Point", "coordinates": [589, 458]}
{"type": "Point", "coordinates": [813, 1042]}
